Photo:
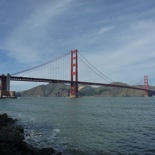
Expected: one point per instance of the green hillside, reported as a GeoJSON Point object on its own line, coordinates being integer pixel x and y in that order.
{"type": "Point", "coordinates": [62, 90]}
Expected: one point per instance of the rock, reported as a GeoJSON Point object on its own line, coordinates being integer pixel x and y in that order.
{"type": "Point", "coordinates": [5, 120]}
{"type": "Point", "coordinates": [2, 135]}
{"type": "Point", "coordinates": [58, 153]}
{"type": "Point", "coordinates": [18, 153]}
{"type": "Point", "coordinates": [47, 151]}
{"type": "Point", "coordinates": [15, 136]}
{"type": "Point", "coordinates": [11, 140]}
{"type": "Point", "coordinates": [19, 128]}
{"type": "Point", "coordinates": [11, 135]}
{"type": "Point", "coordinates": [6, 149]}
{"type": "Point", "coordinates": [25, 147]}
{"type": "Point", "coordinates": [3, 117]}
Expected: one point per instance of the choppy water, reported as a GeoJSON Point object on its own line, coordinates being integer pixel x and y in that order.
{"type": "Point", "coordinates": [87, 126]}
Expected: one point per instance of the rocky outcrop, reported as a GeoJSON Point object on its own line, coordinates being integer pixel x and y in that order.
{"type": "Point", "coordinates": [12, 140]}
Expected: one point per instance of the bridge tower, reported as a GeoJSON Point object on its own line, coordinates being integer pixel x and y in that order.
{"type": "Point", "coordinates": [146, 86]}
{"type": "Point", "coordinates": [74, 74]}
{"type": "Point", "coordinates": [5, 87]}
{"type": "Point", "coordinates": [5, 82]}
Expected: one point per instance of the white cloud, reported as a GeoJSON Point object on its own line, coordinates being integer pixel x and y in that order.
{"type": "Point", "coordinates": [30, 41]}
{"type": "Point", "coordinates": [106, 29]}
{"type": "Point", "coordinates": [117, 42]}
{"type": "Point", "coordinates": [131, 56]}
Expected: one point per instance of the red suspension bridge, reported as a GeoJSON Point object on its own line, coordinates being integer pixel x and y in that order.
{"type": "Point", "coordinates": [65, 69]}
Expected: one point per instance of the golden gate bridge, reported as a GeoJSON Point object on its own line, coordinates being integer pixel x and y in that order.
{"type": "Point", "coordinates": [70, 64]}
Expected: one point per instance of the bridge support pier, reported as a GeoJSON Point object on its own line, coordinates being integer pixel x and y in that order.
{"type": "Point", "coordinates": [74, 74]}
{"type": "Point", "coordinates": [5, 87]}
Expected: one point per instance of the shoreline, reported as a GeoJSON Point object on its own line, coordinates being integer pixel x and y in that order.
{"type": "Point", "coordinates": [12, 140]}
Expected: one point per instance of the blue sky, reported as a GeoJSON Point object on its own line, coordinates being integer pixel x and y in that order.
{"type": "Point", "coordinates": [116, 36]}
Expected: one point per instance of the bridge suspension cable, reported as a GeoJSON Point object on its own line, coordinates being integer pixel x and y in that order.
{"type": "Point", "coordinates": [93, 68]}
{"type": "Point", "coordinates": [48, 69]}
{"type": "Point", "coordinates": [59, 68]}
{"type": "Point", "coordinates": [48, 62]}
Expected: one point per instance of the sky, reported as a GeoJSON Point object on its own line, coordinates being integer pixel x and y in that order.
{"type": "Point", "coordinates": [116, 36]}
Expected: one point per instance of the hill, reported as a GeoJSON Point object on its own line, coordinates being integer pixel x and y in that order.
{"type": "Point", "coordinates": [47, 90]}
{"type": "Point", "coordinates": [62, 90]}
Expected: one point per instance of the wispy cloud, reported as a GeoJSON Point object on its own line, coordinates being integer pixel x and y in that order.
{"type": "Point", "coordinates": [106, 29]}
{"type": "Point", "coordinates": [131, 54]}
{"type": "Point", "coordinates": [117, 37]}
{"type": "Point", "coordinates": [30, 42]}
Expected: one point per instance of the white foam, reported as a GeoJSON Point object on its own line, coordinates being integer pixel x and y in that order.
{"type": "Point", "coordinates": [56, 130]}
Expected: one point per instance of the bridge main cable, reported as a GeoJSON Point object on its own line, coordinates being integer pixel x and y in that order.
{"type": "Point", "coordinates": [41, 64]}
{"type": "Point", "coordinates": [94, 69]}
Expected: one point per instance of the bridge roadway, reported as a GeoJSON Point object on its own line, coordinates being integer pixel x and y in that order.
{"type": "Point", "coordinates": [16, 78]}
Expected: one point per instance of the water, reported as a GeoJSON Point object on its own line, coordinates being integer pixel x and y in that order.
{"type": "Point", "coordinates": [87, 126]}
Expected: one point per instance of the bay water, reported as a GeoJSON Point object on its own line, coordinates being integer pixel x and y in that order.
{"type": "Point", "coordinates": [88, 125]}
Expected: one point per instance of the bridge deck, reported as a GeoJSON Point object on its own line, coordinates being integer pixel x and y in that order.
{"type": "Point", "coordinates": [16, 78]}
